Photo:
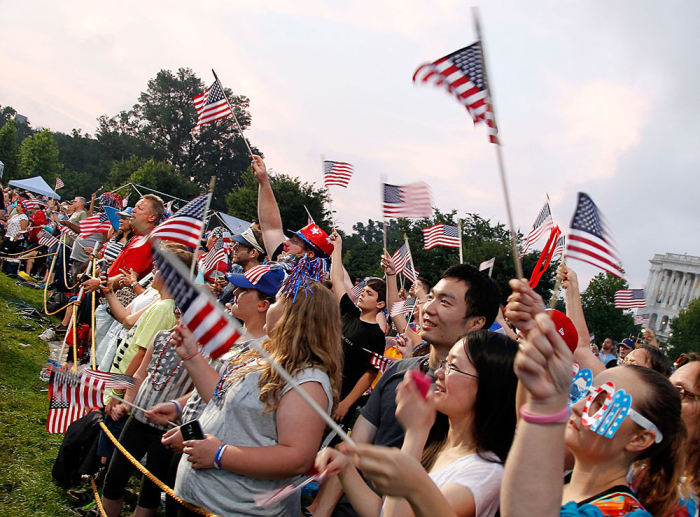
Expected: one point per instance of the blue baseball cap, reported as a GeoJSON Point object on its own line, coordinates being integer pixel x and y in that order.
{"type": "Point", "coordinates": [126, 212]}
{"type": "Point", "coordinates": [269, 283]}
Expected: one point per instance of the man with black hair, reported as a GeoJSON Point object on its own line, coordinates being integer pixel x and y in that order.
{"type": "Point", "coordinates": [360, 331]}
{"type": "Point", "coordinates": [464, 300]}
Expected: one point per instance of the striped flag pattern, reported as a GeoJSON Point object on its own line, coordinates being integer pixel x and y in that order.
{"type": "Point", "coordinates": [463, 75]}
{"type": "Point", "coordinates": [211, 105]}
{"type": "Point", "coordinates": [590, 239]}
{"type": "Point", "coordinates": [256, 273]}
{"type": "Point", "coordinates": [403, 306]}
{"type": "Point", "coordinates": [441, 235]}
{"type": "Point", "coordinates": [47, 240]}
{"type": "Point", "coordinates": [67, 231]}
{"type": "Point", "coordinates": [59, 184]}
{"type": "Point", "coordinates": [542, 225]}
{"type": "Point", "coordinates": [356, 290]}
{"type": "Point", "coordinates": [98, 223]}
{"type": "Point", "coordinates": [200, 311]}
{"type": "Point", "coordinates": [559, 247]}
{"type": "Point", "coordinates": [216, 254]}
{"type": "Point", "coordinates": [630, 299]}
{"type": "Point", "coordinates": [411, 201]}
{"type": "Point", "coordinates": [186, 225]}
{"type": "Point", "coordinates": [380, 362]}
{"type": "Point", "coordinates": [337, 173]}
{"type": "Point", "coordinates": [641, 319]}
{"type": "Point", "coordinates": [486, 264]}
{"type": "Point", "coordinates": [401, 257]}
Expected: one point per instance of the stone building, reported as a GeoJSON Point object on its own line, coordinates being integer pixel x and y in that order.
{"type": "Point", "coordinates": [674, 281]}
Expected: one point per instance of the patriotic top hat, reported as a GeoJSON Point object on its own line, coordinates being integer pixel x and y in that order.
{"type": "Point", "coordinates": [317, 239]}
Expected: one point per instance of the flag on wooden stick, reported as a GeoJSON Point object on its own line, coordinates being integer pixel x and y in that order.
{"type": "Point", "coordinates": [463, 75]}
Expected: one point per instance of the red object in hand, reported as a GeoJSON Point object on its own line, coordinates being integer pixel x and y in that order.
{"type": "Point", "coordinates": [565, 327]}
{"type": "Point", "coordinates": [422, 381]}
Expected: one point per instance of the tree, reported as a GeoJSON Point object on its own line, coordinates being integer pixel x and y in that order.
{"type": "Point", "coordinates": [598, 301]}
{"type": "Point", "coordinates": [685, 330]}
{"type": "Point", "coordinates": [38, 156]}
{"type": "Point", "coordinates": [160, 125]}
{"type": "Point", "coordinates": [162, 177]}
{"type": "Point", "coordinates": [291, 195]}
{"type": "Point", "coordinates": [86, 163]}
{"type": "Point", "coordinates": [9, 151]}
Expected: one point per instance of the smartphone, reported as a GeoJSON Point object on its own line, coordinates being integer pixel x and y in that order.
{"type": "Point", "coordinates": [192, 431]}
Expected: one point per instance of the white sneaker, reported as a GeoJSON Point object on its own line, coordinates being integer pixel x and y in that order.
{"type": "Point", "coordinates": [47, 335]}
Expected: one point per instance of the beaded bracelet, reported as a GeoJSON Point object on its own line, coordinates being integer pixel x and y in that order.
{"type": "Point", "coordinates": [178, 407]}
{"type": "Point", "coordinates": [561, 417]}
{"type": "Point", "coordinates": [219, 454]}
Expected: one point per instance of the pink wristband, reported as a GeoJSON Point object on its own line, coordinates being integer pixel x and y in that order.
{"type": "Point", "coordinates": [561, 417]}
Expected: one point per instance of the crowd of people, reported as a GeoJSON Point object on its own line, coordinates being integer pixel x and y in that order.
{"type": "Point", "coordinates": [475, 409]}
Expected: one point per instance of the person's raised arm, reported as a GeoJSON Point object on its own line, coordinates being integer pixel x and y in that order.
{"type": "Point", "coordinates": [337, 269]}
{"type": "Point", "coordinates": [536, 459]}
{"type": "Point", "coordinates": [92, 205]}
{"type": "Point", "coordinates": [203, 376]}
{"type": "Point", "coordinates": [392, 290]}
{"type": "Point", "coordinates": [268, 211]}
{"type": "Point", "coordinates": [583, 355]}
{"type": "Point", "coordinates": [523, 305]}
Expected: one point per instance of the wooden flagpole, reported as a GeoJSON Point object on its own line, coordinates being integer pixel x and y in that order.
{"type": "Point", "coordinates": [499, 156]}
{"type": "Point", "coordinates": [233, 113]}
{"type": "Point", "coordinates": [204, 222]}
{"type": "Point", "coordinates": [461, 252]}
{"type": "Point", "coordinates": [382, 183]}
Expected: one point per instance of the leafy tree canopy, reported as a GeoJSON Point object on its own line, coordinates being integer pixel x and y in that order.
{"type": "Point", "coordinates": [9, 151]}
{"type": "Point", "coordinates": [598, 301]}
{"type": "Point", "coordinates": [685, 330]}
{"type": "Point", "coordinates": [38, 156]}
{"type": "Point", "coordinates": [292, 196]}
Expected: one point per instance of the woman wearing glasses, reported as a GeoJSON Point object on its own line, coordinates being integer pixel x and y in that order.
{"type": "Point", "coordinates": [461, 471]}
{"type": "Point", "coordinates": [625, 433]}
{"type": "Point", "coordinates": [686, 380]}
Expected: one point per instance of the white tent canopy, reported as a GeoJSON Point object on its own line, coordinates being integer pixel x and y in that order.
{"type": "Point", "coordinates": [37, 185]}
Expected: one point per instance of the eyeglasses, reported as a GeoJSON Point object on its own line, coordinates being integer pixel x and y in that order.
{"type": "Point", "coordinates": [687, 395]}
{"type": "Point", "coordinates": [448, 367]}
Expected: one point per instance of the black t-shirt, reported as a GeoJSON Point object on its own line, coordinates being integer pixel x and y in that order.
{"type": "Point", "coordinates": [380, 410]}
{"type": "Point", "coordinates": [357, 335]}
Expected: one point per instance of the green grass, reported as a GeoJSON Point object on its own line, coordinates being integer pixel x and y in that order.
{"type": "Point", "coordinates": [27, 451]}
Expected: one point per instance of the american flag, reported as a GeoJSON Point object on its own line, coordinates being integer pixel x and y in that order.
{"type": "Point", "coordinates": [186, 225]}
{"type": "Point", "coordinates": [401, 257]}
{"type": "Point", "coordinates": [380, 362]}
{"type": "Point", "coordinates": [125, 201]}
{"type": "Point", "coordinates": [403, 306]}
{"type": "Point", "coordinates": [590, 240]}
{"type": "Point", "coordinates": [630, 299]}
{"type": "Point", "coordinates": [410, 272]}
{"type": "Point", "coordinates": [356, 290]}
{"type": "Point", "coordinates": [413, 200]}
{"type": "Point", "coordinates": [559, 247]}
{"type": "Point", "coordinates": [71, 393]}
{"type": "Point", "coordinates": [486, 264]}
{"type": "Point", "coordinates": [256, 273]}
{"type": "Point", "coordinates": [542, 225]}
{"type": "Point", "coordinates": [211, 105]}
{"type": "Point", "coordinates": [641, 319]}
{"type": "Point", "coordinates": [47, 240]}
{"type": "Point", "coordinates": [336, 173]}
{"type": "Point", "coordinates": [98, 223]}
{"type": "Point", "coordinates": [200, 311]}
{"type": "Point", "coordinates": [462, 74]}
{"type": "Point", "coordinates": [216, 254]}
{"type": "Point", "coordinates": [441, 235]}
{"type": "Point", "coordinates": [67, 231]}
{"type": "Point", "coordinates": [59, 184]}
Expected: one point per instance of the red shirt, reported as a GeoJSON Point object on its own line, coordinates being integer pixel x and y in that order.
{"type": "Point", "coordinates": [38, 222]}
{"type": "Point", "coordinates": [136, 255]}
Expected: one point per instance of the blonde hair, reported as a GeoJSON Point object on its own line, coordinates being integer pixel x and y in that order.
{"type": "Point", "coordinates": [307, 335]}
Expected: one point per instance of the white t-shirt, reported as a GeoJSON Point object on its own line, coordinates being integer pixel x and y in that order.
{"type": "Point", "coordinates": [481, 477]}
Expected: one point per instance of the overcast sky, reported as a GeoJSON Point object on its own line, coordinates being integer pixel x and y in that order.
{"type": "Point", "coordinates": [592, 96]}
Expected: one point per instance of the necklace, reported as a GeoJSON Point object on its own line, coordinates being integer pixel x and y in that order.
{"type": "Point", "coordinates": [161, 386]}
{"type": "Point", "coordinates": [226, 380]}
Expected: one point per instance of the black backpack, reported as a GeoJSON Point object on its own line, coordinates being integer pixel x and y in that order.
{"type": "Point", "coordinates": [77, 455]}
